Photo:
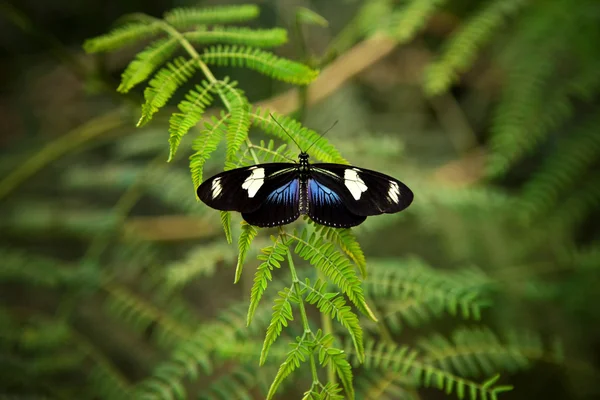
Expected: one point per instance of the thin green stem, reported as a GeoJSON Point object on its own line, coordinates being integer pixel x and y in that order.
{"type": "Point", "coordinates": [305, 323]}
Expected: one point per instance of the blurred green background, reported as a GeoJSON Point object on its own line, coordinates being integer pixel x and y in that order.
{"type": "Point", "coordinates": [488, 110]}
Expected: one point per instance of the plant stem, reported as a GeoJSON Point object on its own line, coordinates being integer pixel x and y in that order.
{"type": "Point", "coordinates": [305, 323]}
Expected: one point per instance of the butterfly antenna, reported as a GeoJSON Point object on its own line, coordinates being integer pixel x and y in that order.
{"type": "Point", "coordinates": [281, 126]}
{"type": "Point", "coordinates": [320, 136]}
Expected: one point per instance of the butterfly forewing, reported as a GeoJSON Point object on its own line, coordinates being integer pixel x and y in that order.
{"type": "Point", "coordinates": [362, 191]}
{"type": "Point", "coordinates": [265, 194]}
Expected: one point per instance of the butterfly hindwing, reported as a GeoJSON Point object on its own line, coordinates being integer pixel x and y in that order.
{"type": "Point", "coordinates": [364, 192]}
{"type": "Point", "coordinates": [325, 206]}
{"type": "Point", "coordinates": [265, 194]}
{"type": "Point", "coordinates": [280, 207]}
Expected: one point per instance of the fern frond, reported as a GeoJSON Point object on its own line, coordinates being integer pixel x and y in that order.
{"type": "Point", "coordinates": [205, 144]}
{"type": "Point", "coordinates": [334, 305]}
{"type": "Point", "coordinates": [19, 266]}
{"type": "Point", "coordinates": [573, 156]}
{"type": "Point", "coordinates": [474, 352]}
{"type": "Point", "coordinates": [238, 124]}
{"type": "Point", "coordinates": [140, 314]}
{"type": "Point", "coordinates": [164, 83]}
{"type": "Point", "coordinates": [240, 36]}
{"type": "Point", "coordinates": [107, 383]}
{"type": "Point", "coordinates": [198, 262]}
{"type": "Point", "coordinates": [461, 49]}
{"type": "Point", "coordinates": [192, 109]}
{"type": "Point", "coordinates": [582, 201]}
{"type": "Point", "coordinates": [261, 61]}
{"type": "Point", "coordinates": [146, 62]}
{"type": "Point", "coordinates": [337, 358]}
{"type": "Point", "coordinates": [406, 22]}
{"type": "Point", "coordinates": [248, 234]}
{"type": "Point", "coordinates": [187, 17]}
{"type": "Point", "coordinates": [346, 240]}
{"type": "Point", "coordinates": [321, 149]}
{"type": "Point", "coordinates": [238, 384]}
{"type": "Point", "coordinates": [271, 258]}
{"type": "Point", "coordinates": [331, 391]}
{"type": "Point", "coordinates": [408, 362]}
{"type": "Point", "coordinates": [299, 353]}
{"type": "Point", "coordinates": [334, 265]}
{"type": "Point", "coordinates": [226, 223]}
{"type": "Point", "coordinates": [282, 313]}
{"type": "Point", "coordinates": [121, 36]}
{"type": "Point", "coordinates": [416, 292]}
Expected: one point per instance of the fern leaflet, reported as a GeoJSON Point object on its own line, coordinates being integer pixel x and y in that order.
{"type": "Point", "coordinates": [187, 17]}
{"type": "Point", "coordinates": [192, 109]}
{"type": "Point", "coordinates": [121, 36]}
{"type": "Point", "coordinates": [271, 258]}
{"type": "Point", "coordinates": [412, 17]}
{"type": "Point", "coordinates": [165, 82]}
{"type": "Point", "coordinates": [264, 62]}
{"type": "Point", "coordinates": [282, 313]}
{"type": "Point", "coordinates": [334, 265]}
{"type": "Point", "coordinates": [147, 62]}
{"type": "Point", "coordinates": [248, 234]}
{"type": "Point", "coordinates": [238, 124]}
{"type": "Point", "coordinates": [302, 349]}
{"type": "Point", "coordinates": [460, 51]}
{"type": "Point", "coordinates": [204, 145]}
{"type": "Point", "coordinates": [321, 149]}
{"type": "Point", "coordinates": [226, 223]}
{"type": "Point", "coordinates": [334, 305]}
{"type": "Point", "coordinates": [240, 36]}
{"type": "Point", "coordinates": [337, 358]}
{"type": "Point", "coordinates": [346, 240]}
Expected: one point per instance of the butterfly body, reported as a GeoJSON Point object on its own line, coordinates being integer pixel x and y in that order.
{"type": "Point", "coordinates": [334, 195]}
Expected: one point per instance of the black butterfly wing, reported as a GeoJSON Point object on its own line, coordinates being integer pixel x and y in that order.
{"type": "Point", "coordinates": [265, 194]}
{"type": "Point", "coordinates": [326, 207]}
{"type": "Point", "coordinates": [363, 192]}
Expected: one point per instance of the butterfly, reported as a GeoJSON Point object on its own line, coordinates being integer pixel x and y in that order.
{"type": "Point", "coordinates": [335, 195]}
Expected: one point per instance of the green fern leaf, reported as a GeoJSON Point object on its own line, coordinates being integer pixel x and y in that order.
{"type": "Point", "coordinates": [187, 17]}
{"type": "Point", "coordinates": [271, 258]}
{"type": "Point", "coordinates": [297, 355]}
{"type": "Point", "coordinates": [147, 62]}
{"type": "Point", "coordinates": [121, 36]}
{"type": "Point", "coordinates": [321, 149]}
{"type": "Point", "coordinates": [241, 36]}
{"type": "Point", "coordinates": [347, 241]}
{"type": "Point", "coordinates": [331, 391]}
{"type": "Point", "coordinates": [328, 354]}
{"type": "Point", "coordinates": [248, 234]}
{"type": "Point", "coordinates": [226, 222]}
{"type": "Point", "coordinates": [334, 265]}
{"type": "Point", "coordinates": [205, 144]}
{"type": "Point", "coordinates": [307, 16]}
{"type": "Point", "coordinates": [264, 62]}
{"type": "Point", "coordinates": [238, 124]}
{"type": "Point", "coordinates": [200, 261]}
{"type": "Point", "coordinates": [569, 163]}
{"type": "Point", "coordinates": [335, 306]}
{"type": "Point", "coordinates": [192, 109]}
{"type": "Point", "coordinates": [461, 50]}
{"type": "Point", "coordinates": [406, 22]}
{"type": "Point", "coordinates": [282, 313]}
{"type": "Point", "coordinates": [165, 82]}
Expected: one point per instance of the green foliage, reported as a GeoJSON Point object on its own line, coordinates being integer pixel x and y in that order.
{"type": "Point", "coordinates": [187, 17]}
{"type": "Point", "coordinates": [121, 36]}
{"type": "Point", "coordinates": [259, 60]}
{"type": "Point", "coordinates": [282, 313]}
{"type": "Point", "coordinates": [146, 62]}
{"type": "Point", "coordinates": [205, 144]}
{"type": "Point", "coordinates": [239, 36]}
{"type": "Point", "coordinates": [191, 109]}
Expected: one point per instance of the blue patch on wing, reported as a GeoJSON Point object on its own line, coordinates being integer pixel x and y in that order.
{"type": "Point", "coordinates": [320, 194]}
{"type": "Point", "coordinates": [286, 194]}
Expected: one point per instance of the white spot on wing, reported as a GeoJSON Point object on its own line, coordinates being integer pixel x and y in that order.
{"type": "Point", "coordinates": [355, 185]}
{"type": "Point", "coordinates": [217, 188]}
{"type": "Point", "coordinates": [254, 181]}
{"type": "Point", "coordinates": [394, 192]}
